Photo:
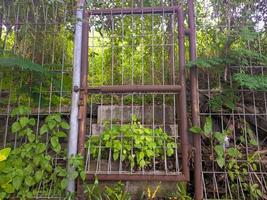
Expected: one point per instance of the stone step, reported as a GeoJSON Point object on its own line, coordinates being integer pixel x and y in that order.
{"type": "Point", "coordinates": [123, 114]}
{"type": "Point", "coordinates": [171, 129]}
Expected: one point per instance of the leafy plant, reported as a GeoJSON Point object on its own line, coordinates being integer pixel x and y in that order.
{"type": "Point", "coordinates": [181, 192]}
{"type": "Point", "coordinates": [228, 158]}
{"type": "Point", "coordinates": [115, 192]}
{"type": "Point", "coordinates": [133, 143]}
{"type": "Point", "coordinates": [227, 98]}
{"type": "Point", "coordinates": [24, 168]}
{"type": "Point", "coordinates": [252, 82]}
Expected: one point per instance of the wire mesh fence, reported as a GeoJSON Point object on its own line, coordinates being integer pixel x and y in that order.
{"type": "Point", "coordinates": [37, 51]}
{"type": "Point", "coordinates": [233, 95]}
{"type": "Point", "coordinates": [35, 71]}
{"type": "Point", "coordinates": [119, 48]}
{"type": "Point", "coordinates": [141, 50]}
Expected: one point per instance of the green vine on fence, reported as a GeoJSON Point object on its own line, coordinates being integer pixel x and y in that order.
{"type": "Point", "coordinates": [24, 169]}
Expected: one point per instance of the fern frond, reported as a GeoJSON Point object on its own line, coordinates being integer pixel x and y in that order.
{"type": "Point", "coordinates": [21, 64]}
{"type": "Point", "coordinates": [252, 82]}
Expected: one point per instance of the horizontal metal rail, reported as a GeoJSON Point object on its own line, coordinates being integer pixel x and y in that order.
{"type": "Point", "coordinates": [137, 177]}
{"type": "Point", "coordinates": [134, 11]}
{"type": "Point", "coordinates": [135, 89]}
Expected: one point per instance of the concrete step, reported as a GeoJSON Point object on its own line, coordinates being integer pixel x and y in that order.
{"type": "Point", "coordinates": [158, 114]}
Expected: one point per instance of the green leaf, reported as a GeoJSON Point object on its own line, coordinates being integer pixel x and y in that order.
{"type": "Point", "coordinates": [142, 163]}
{"type": "Point", "coordinates": [31, 137]}
{"type": "Point", "coordinates": [54, 141]}
{"type": "Point", "coordinates": [220, 161]}
{"type": "Point", "coordinates": [64, 183]}
{"type": "Point", "coordinates": [57, 117]}
{"type": "Point", "coordinates": [8, 188]}
{"type": "Point", "coordinates": [170, 152]}
{"type": "Point", "coordinates": [29, 181]}
{"type": "Point", "coordinates": [15, 127]}
{"type": "Point", "coordinates": [57, 149]}
{"type": "Point", "coordinates": [115, 156]}
{"type": "Point", "coordinates": [41, 148]}
{"type": "Point", "coordinates": [60, 134]}
{"type": "Point", "coordinates": [21, 110]}
{"type": "Point", "coordinates": [74, 175]}
{"type": "Point", "coordinates": [83, 175]}
{"type": "Point", "coordinates": [196, 130]}
{"type": "Point", "coordinates": [44, 129]}
{"type": "Point", "coordinates": [220, 137]}
{"type": "Point", "coordinates": [55, 144]}
{"type": "Point", "coordinates": [38, 176]}
{"type": "Point", "coordinates": [17, 181]}
{"type": "Point", "coordinates": [64, 125]}
{"type": "Point", "coordinates": [51, 124]}
{"type": "Point", "coordinates": [31, 122]}
{"type": "Point", "coordinates": [208, 126]}
{"type": "Point", "coordinates": [253, 142]}
{"type": "Point", "coordinates": [4, 153]}
{"type": "Point", "coordinates": [219, 150]}
{"type": "Point", "coordinates": [234, 152]}
{"type": "Point", "coordinates": [23, 121]}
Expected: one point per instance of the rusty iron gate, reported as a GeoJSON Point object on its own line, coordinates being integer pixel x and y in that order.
{"type": "Point", "coordinates": [147, 93]}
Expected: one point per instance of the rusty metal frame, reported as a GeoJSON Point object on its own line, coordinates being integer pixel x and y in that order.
{"type": "Point", "coordinates": [135, 89]}
{"type": "Point", "coordinates": [195, 102]}
{"type": "Point", "coordinates": [181, 89]}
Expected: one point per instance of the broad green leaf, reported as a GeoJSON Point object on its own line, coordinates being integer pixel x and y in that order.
{"type": "Point", "coordinates": [234, 152]}
{"type": "Point", "coordinates": [4, 153]}
{"type": "Point", "coordinates": [17, 181]}
{"type": "Point", "coordinates": [60, 134]}
{"type": "Point", "coordinates": [38, 176]}
{"type": "Point", "coordinates": [115, 156]}
{"type": "Point", "coordinates": [64, 183]}
{"type": "Point", "coordinates": [219, 150]}
{"type": "Point", "coordinates": [170, 152]}
{"type": "Point", "coordinates": [196, 130]}
{"type": "Point", "coordinates": [44, 129]}
{"type": "Point", "coordinates": [31, 122]}
{"type": "Point", "coordinates": [64, 125]}
{"type": "Point", "coordinates": [220, 161]}
{"type": "Point", "coordinates": [253, 142]}
{"type": "Point", "coordinates": [142, 163]}
{"type": "Point", "coordinates": [15, 127]}
{"type": "Point", "coordinates": [208, 126]}
{"type": "Point", "coordinates": [57, 149]}
{"type": "Point", "coordinates": [23, 121]}
{"type": "Point", "coordinates": [8, 188]}
{"type": "Point", "coordinates": [31, 137]}
{"type": "Point", "coordinates": [220, 137]}
{"type": "Point", "coordinates": [54, 141]}
{"type": "Point", "coordinates": [51, 124]}
{"type": "Point", "coordinates": [83, 175]}
{"type": "Point", "coordinates": [74, 175]}
{"type": "Point", "coordinates": [29, 181]}
{"type": "Point", "coordinates": [57, 117]}
{"type": "Point", "coordinates": [41, 148]}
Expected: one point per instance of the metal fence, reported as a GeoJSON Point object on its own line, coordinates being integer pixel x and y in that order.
{"type": "Point", "coordinates": [136, 81]}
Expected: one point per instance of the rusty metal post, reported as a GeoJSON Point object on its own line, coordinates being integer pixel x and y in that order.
{"type": "Point", "coordinates": [83, 96]}
{"type": "Point", "coordinates": [182, 96]}
{"type": "Point", "coordinates": [195, 101]}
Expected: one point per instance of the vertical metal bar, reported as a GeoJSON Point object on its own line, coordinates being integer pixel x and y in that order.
{"type": "Point", "coordinates": [83, 95]}
{"type": "Point", "coordinates": [73, 135]}
{"type": "Point", "coordinates": [182, 95]}
{"type": "Point", "coordinates": [195, 101]}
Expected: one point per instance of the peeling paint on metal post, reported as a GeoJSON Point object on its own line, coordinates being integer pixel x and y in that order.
{"type": "Point", "coordinates": [74, 125]}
